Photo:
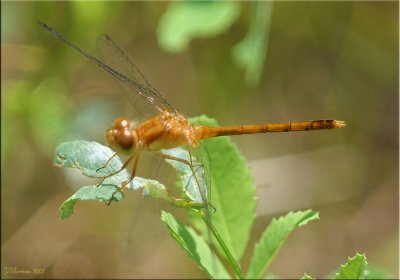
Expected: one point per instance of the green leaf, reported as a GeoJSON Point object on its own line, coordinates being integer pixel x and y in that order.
{"type": "Point", "coordinates": [232, 191]}
{"type": "Point", "coordinates": [196, 247]}
{"type": "Point", "coordinates": [273, 238]}
{"type": "Point", "coordinates": [184, 21]}
{"type": "Point", "coordinates": [102, 193]}
{"type": "Point", "coordinates": [306, 277]}
{"type": "Point", "coordinates": [355, 268]}
{"type": "Point", "coordinates": [90, 158]}
{"type": "Point", "coordinates": [250, 53]}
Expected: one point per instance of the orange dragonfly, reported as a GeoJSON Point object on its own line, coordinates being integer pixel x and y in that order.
{"type": "Point", "coordinates": [166, 128]}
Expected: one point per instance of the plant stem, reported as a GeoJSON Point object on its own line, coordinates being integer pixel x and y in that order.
{"type": "Point", "coordinates": [231, 259]}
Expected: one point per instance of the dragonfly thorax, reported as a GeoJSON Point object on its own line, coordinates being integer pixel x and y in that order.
{"type": "Point", "coordinates": [164, 131]}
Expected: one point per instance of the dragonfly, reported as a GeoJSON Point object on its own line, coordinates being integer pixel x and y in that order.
{"type": "Point", "coordinates": [166, 127]}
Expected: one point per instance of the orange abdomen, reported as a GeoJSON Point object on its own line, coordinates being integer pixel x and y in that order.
{"type": "Point", "coordinates": [203, 132]}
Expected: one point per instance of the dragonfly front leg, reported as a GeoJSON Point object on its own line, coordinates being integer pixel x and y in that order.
{"type": "Point", "coordinates": [135, 158]}
{"type": "Point", "coordinates": [134, 168]}
{"type": "Point", "coordinates": [107, 162]}
{"type": "Point", "coordinates": [118, 171]}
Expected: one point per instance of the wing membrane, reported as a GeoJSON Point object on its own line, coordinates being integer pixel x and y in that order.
{"type": "Point", "coordinates": [116, 58]}
{"type": "Point", "coordinates": [122, 68]}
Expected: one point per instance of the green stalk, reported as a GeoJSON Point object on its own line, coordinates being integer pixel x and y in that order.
{"type": "Point", "coordinates": [231, 259]}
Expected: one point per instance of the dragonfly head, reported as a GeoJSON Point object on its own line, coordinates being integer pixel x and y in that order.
{"type": "Point", "coordinates": [121, 137]}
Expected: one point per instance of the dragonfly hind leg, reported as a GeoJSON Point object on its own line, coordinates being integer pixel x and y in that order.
{"type": "Point", "coordinates": [190, 164]}
{"type": "Point", "coordinates": [203, 196]}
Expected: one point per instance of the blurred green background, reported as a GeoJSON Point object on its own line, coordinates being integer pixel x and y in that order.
{"type": "Point", "coordinates": [241, 63]}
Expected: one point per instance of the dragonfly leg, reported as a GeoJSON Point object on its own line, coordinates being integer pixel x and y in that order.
{"type": "Point", "coordinates": [188, 163]}
{"type": "Point", "coordinates": [205, 211]}
{"type": "Point", "coordinates": [134, 168]}
{"type": "Point", "coordinates": [198, 166]}
{"type": "Point", "coordinates": [107, 162]}
{"type": "Point", "coordinates": [203, 195]}
{"type": "Point", "coordinates": [118, 171]}
{"type": "Point", "coordinates": [174, 158]}
{"type": "Point", "coordinates": [133, 173]}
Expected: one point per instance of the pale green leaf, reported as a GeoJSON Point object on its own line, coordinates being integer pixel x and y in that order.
{"type": "Point", "coordinates": [103, 193]}
{"type": "Point", "coordinates": [90, 158]}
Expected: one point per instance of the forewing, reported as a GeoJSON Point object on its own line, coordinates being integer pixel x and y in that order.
{"type": "Point", "coordinates": [124, 70]}
{"type": "Point", "coordinates": [139, 87]}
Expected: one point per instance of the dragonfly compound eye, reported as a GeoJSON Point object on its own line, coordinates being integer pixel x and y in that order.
{"type": "Point", "coordinates": [121, 123]}
{"type": "Point", "coordinates": [120, 137]}
{"type": "Point", "coordinates": [125, 139]}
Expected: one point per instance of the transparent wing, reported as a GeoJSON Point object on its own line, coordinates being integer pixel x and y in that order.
{"type": "Point", "coordinates": [144, 233]}
{"type": "Point", "coordinates": [135, 80]}
{"type": "Point", "coordinates": [196, 184]}
{"type": "Point", "coordinates": [122, 69]}
{"type": "Point", "coordinates": [202, 167]}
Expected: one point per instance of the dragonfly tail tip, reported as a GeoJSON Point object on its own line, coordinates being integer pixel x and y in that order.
{"type": "Point", "coordinates": [339, 124]}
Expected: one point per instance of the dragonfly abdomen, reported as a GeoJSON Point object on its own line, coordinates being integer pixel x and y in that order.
{"type": "Point", "coordinates": [204, 132]}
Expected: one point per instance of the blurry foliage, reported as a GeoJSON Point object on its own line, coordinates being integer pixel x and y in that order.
{"type": "Point", "coordinates": [88, 122]}
{"type": "Point", "coordinates": [305, 277]}
{"type": "Point", "coordinates": [187, 20]}
{"type": "Point", "coordinates": [42, 110]}
{"type": "Point", "coordinates": [251, 52]}
{"type": "Point", "coordinates": [18, 107]}
{"type": "Point", "coordinates": [48, 116]}
{"type": "Point", "coordinates": [374, 272]}
{"type": "Point", "coordinates": [94, 19]}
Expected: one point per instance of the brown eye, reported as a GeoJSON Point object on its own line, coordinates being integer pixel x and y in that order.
{"type": "Point", "coordinates": [121, 124]}
{"type": "Point", "coordinates": [125, 139]}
